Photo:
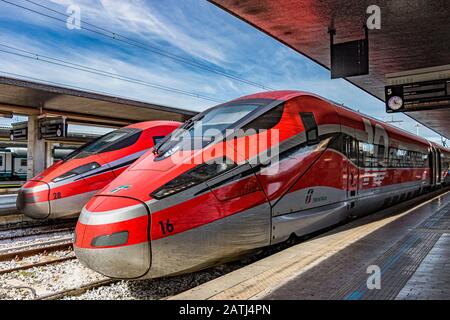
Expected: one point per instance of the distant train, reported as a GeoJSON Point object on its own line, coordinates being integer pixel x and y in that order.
{"type": "Point", "coordinates": [13, 162]}
{"type": "Point", "coordinates": [62, 189]}
{"type": "Point", "coordinates": [206, 195]}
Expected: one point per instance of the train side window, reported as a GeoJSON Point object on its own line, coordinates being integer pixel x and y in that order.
{"type": "Point", "coordinates": [1, 160]}
{"type": "Point", "coordinates": [367, 152]}
{"type": "Point", "coordinates": [380, 154]}
{"type": "Point", "coordinates": [123, 143]}
{"type": "Point", "coordinates": [23, 162]}
{"type": "Point", "coordinates": [338, 143]}
{"type": "Point", "coordinates": [267, 120]}
{"type": "Point", "coordinates": [311, 129]}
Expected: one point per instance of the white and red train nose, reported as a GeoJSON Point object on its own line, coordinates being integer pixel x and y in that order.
{"type": "Point", "coordinates": [33, 200]}
{"type": "Point", "coordinates": [122, 237]}
{"type": "Point", "coordinates": [42, 200]}
{"type": "Point", "coordinates": [112, 237]}
{"type": "Point", "coordinates": [64, 188]}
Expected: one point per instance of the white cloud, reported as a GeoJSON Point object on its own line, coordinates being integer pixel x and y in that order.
{"type": "Point", "coordinates": [138, 17]}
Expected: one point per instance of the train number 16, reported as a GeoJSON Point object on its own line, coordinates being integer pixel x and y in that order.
{"type": "Point", "coordinates": [167, 227]}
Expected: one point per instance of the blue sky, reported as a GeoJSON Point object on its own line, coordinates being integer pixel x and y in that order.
{"type": "Point", "coordinates": [194, 30]}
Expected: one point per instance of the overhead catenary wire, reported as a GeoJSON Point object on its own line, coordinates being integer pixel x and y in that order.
{"type": "Point", "coordinates": [63, 63]}
{"type": "Point", "coordinates": [124, 39]}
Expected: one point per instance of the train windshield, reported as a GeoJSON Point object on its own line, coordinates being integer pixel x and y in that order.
{"type": "Point", "coordinates": [112, 141]}
{"type": "Point", "coordinates": [218, 120]}
{"type": "Point", "coordinates": [201, 130]}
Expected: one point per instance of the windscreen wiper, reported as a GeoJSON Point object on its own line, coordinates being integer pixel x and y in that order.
{"type": "Point", "coordinates": [186, 126]}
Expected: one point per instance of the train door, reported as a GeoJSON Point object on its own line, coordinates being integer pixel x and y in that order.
{"type": "Point", "coordinates": [2, 164]}
{"type": "Point", "coordinates": [302, 143]}
{"type": "Point", "coordinates": [432, 169]}
{"type": "Point", "coordinates": [438, 167]}
{"type": "Point", "coordinates": [6, 165]}
{"type": "Point", "coordinates": [351, 150]}
{"type": "Point", "coordinates": [304, 185]}
{"type": "Point", "coordinates": [20, 168]}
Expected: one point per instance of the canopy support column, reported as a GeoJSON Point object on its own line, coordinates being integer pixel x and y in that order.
{"type": "Point", "coordinates": [36, 148]}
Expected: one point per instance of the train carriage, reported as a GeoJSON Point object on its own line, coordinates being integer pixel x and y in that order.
{"type": "Point", "coordinates": [62, 189]}
{"type": "Point", "coordinates": [248, 174]}
{"type": "Point", "coordinates": [6, 160]}
{"type": "Point", "coordinates": [13, 163]}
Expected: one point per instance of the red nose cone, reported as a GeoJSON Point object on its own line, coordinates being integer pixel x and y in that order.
{"type": "Point", "coordinates": [112, 237]}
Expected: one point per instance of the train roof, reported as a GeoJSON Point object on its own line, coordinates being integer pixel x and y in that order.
{"type": "Point", "coordinates": [149, 124]}
{"type": "Point", "coordinates": [440, 147]}
{"type": "Point", "coordinates": [284, 95]}
{"type": "Point", "coordinates": [21, 152]}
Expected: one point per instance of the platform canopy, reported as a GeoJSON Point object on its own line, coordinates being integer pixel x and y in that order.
{"type": "Point", "coordinates": [32, 98]}
{"type": "Point", "coordinates": [413, 35]}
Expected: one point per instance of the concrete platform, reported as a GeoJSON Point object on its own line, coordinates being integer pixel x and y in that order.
{"type": "Point", "coordinates": [8, 204]}
{"type": "Point", "coordinates": [409, 244]}
{"type": "Point", "coordinates": [7, 219]}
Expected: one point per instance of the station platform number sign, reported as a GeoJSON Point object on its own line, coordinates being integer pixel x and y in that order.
{"type": "Point", "coordinates": [418, 96]}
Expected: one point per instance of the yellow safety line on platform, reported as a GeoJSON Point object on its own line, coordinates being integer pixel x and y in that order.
{"type": "Point", "coordinates": [260, 278]}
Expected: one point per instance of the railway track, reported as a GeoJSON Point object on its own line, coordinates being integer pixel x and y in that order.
{"type": "Point", "coordinates": [180, 283]}
{"type": "Point", "coordinates": [20, 231]}
{"type": "Point", "coordinates": [44, 249]}
{"type": "Point", "coordinates": [35, 233]}
{"type": "Point", "coordinates": [25, 225]}
{"type": "Point", "coordinates": [33, 249]}
{"type": "Point", "coordinates": [46, 262]}
{"type": "Point", "coordinates": [77, 291]}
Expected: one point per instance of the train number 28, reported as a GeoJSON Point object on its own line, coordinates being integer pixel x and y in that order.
{"type": "Point", "coordinates": [166, 227]}
{"type": "Point", "coordinates": [56, 195]}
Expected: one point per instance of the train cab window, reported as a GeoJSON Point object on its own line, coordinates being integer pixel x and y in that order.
{"type": "Point", "coordinates": [157, 139]}
{"type": "Point", "coordinates": [311, 130]}
{"type": "Point", "coordinates": [112, 141]}
{"type": "Point", "coordinates": [204, 128]}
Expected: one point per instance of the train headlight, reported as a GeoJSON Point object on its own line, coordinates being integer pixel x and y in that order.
{"type": "Point", "coordinates": [77, 171]}
{"type": "Point", "coordinates": [110, 240]}
{"type": "Point", "coordinates": [193, 177]}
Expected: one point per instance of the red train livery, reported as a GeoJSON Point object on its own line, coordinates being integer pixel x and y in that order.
{"type": "Point", "coordinates": [167, 214]}
{"type": "Point", "coordinates": [64, 188]}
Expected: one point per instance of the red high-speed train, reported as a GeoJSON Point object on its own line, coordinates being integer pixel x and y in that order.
{"type": "Point", "coordinates": [176, 210]}
{"type": "Point", "coordinates": [64, 188]}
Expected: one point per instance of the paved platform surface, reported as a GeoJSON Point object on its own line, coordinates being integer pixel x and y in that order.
{"type": "Point", "coordinates": [411, 248]}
